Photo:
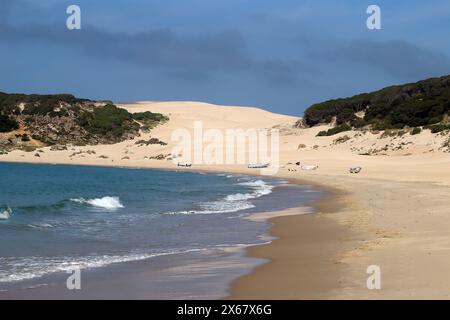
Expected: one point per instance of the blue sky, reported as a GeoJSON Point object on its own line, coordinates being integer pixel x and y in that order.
{"type": "Point", "coordinates": [282, 55]}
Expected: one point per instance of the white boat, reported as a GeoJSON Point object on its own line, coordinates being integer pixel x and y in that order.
{"type": "Point", "coordinates": [184, 164]}
{"type": "Point", "coordinates": [310, 168]}
{"type": "Point", "coordinates": [258, 165]}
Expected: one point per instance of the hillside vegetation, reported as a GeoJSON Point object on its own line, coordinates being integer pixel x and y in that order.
{"type": "Point", "coordinates": [424, 103]}
{"type": "Point", "coordinates": [63, 119]}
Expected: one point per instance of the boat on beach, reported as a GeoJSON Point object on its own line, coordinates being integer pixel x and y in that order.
{"type": "Point", "coordinates": [184, 164]}
{"type": "Point", "coordinates": [310, 167]}
{"type": "Point", "coordinates": [258, 165]}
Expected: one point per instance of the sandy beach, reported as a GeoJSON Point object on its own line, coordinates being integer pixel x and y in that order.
{"type": "Point", "coordinates": [393, 214]}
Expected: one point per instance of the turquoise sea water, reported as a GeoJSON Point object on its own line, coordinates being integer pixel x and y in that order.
{"type": "Point", "coordinates": [54, 217]}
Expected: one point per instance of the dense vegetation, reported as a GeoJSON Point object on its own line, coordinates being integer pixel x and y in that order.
{"type": "Point", "coordinates": [35, 104]}
{"type": "Point", "coordinates": [416, 104]}
{"type": "Point", "coordinates": [64, 118]}
{"type": "Point", "coordinates": [7, 123]}
{"type": "Point", "coordinates": [108, 120]}
{"type": "Point", "coordinates": [116, 122]}
{"type": "Point", "coordinates": [149, 119]}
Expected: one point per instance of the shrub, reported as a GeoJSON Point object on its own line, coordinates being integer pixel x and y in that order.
{"type": "Point", "coordinates": [151, 141]}
{"type": "Point", "coordinates": [380, 125]}
{"type": "Point", "coordinates": [388, 133]}
{"type": "Point", "coordinates": [438, 128]}
{"type": "Point", "coordinates": [339, 129]}
{"type": "Point", "coordinates": [358, 123]}
{"type": "Point", "coordinates": [148, 116]}
{"type": "Point", "coordinates": [335, 130]}
{"type": "Point", "coordinates": [415, 131]}
{"type": "Point", "coordinates": [7, 123]}
{"type": "Point", "coordinates": [149, 119]}
{"type": "Point", "coordinates": [446, 145]}
{"type": "Point", "coordinates": [401, 133]}
{"type": "Point", "coordinates": [157, 141]}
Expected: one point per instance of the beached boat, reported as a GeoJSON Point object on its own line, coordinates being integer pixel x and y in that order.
{"type": "Point", "coordinates": [258, 165]}
{"type": "Point", "coordinates": [310, 168]}
{"type": "Point", "coordinates": [184, 164]}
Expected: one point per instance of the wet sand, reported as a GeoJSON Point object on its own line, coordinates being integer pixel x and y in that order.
{"type": "Point", "coordinates": [303, 262]}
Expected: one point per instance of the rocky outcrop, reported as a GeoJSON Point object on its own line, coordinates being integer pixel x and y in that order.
{"type": "Point", "coordinates": [57, 120]}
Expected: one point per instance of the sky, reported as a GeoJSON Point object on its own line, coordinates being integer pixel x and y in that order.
{"type": "Point", "coordinates": [281, 55]}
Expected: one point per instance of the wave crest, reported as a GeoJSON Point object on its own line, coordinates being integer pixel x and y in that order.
{"type": "Point", "coordinates": [18, 268]}
{"type": "Point", "coordinates": [109, 203]}
{"type": "Point", "coordinates": [233, 202]}
{"type": "Point", "coordinates": [5, 213]}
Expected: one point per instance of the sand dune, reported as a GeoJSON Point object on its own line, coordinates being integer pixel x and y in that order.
{"type": "Point", "coordinates": [394, 213]}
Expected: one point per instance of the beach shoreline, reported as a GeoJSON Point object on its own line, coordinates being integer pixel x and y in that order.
{"type": "Point", "coordinates": [303, 256]}
{"type": "Point", "coordinates": [393, 214]}
{"type": "Point", "coordinates": [232, 266]}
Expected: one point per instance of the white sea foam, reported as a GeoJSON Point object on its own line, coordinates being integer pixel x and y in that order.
{"type": "Point", "coordinates": [19, 269]}
{"type": "Point", "coordinates": [260, 186]}
{"type": "Point", "coordinates": [233, 202]}
{"type": "Point", "coordinates": [225, 175]}
{"type": "Point", "coordinates": [5, 213]}
{"type": "Point", "coordinates": [224, 206]}
{"type": "Point", "coordinates": [109, 203]}
{"type": "Point", "coordinates": [40, 226]}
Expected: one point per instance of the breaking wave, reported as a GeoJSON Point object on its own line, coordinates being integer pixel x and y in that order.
{"type": "Point", "coordinates": [19, 269]}
{"type": "Point", "coordinates": [109, 203]}
{"type": "Point", "coordinates": [233, 202]}
{"type": "Point", "coordinates": [5, 213]}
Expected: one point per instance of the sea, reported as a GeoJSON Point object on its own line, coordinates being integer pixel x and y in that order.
{"type": "Point", "coordinates": [156, 233]}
